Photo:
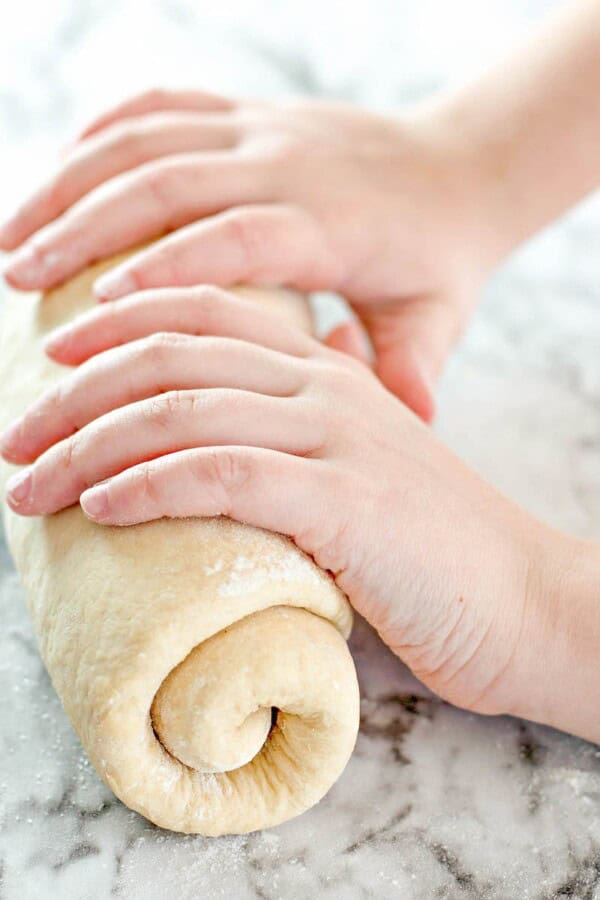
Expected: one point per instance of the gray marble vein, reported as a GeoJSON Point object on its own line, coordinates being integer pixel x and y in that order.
{"type": "Point", "coordinates": [436, 802]}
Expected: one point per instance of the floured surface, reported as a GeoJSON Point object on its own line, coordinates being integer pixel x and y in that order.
{"type": "Point", "coordinates": [434, 801]}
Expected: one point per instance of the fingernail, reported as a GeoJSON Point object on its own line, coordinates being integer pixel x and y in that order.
{"type": "Point", "coordinates": [94, 502]}
{"type": "Point", "coordinates": [29, 266]}
{"type": "Point", "coordinates": [115, 284]}
{"type": "Point", "coordinates": [18, 487]}
{"type": "Point", "coordinates": [9, 438]}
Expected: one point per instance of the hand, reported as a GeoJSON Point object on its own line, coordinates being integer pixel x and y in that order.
{"type": "Point", "coordinates": [265, 425]}
{"type": "Point", "coordinates": [315, 195]}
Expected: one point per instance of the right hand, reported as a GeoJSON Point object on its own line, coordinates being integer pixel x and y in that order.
{"type": "Point", "coordinates": [245, 417]}
{"type": "Point", "coordinates": [314, 195]}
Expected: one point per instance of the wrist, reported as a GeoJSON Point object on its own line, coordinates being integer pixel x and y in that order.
{"type": "Point", "coordinates": [478, 173]}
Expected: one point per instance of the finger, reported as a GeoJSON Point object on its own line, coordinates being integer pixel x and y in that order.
{"type": "Point", "coordinates": [132, 207]}
{"type": "Point", "coordinates": [158, 100]}
{"type": "Point", "coordinates": [117, 149]}
{"type": "Point", "coordinates": [203, 310]}
{"type": "Point", "coordinates": [165, 424]}
{"type": "Point", "coordinates": [351, 338]}
{"type": "Point", "coordinates": [143, 369]}
{"type": "Point", "coordinates": [259, 244]}
{"type": "Point", "coordinates": [260, 487]}
{"type": "Point", "coordinates": [411, 343]}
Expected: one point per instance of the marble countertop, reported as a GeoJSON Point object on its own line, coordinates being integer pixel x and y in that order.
{"type": "Point", "coordinates": [436, 802]}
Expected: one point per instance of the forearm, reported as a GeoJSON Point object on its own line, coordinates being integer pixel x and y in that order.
{"type": "Point", "coordinates": [561, 639]}
{"type": "Point", "coordinates": [527, 133]}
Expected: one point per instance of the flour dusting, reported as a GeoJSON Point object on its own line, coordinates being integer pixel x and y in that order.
{"type": "Point", "coordinates": [212, 570]}
{"type": "Point", "coordinates": [252, 575]}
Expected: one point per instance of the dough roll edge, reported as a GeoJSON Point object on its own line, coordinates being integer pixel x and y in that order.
{"type": "Point", "coordinates": [203, 663]}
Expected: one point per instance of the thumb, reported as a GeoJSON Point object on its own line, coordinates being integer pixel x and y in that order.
{"type": "Point", "coordinates": [412, 341]}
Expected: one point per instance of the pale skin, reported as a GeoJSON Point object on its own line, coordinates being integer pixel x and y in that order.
{"type": "Point", "coordinates": [186, 400]}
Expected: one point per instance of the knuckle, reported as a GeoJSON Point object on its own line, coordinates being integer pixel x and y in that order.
{"type": "Point", "coordinates": [329, 393]}
{"type": "Point", "coordinates": [336, 378]}
{"type": "Point", "coordinates": [155, 95]}
{"type": "Point", "coordinates": [320, 423]}
{"type": "Point", "coordinates": [214, 471]}
{"type": "Point", "coordinates": [165, 180]}
{"type": "Point", "coordinates": [230, 470]}
{"type": "Point", "coordinates": [113, 317]}
{"type": "Point", "coordinates": [127, 141]}
{"type": "Point", "coordinates": [208, 303]}
{"type": "Point", "coordinates": [288, 151]}
{"type": "Point", "coordinates": [140, 487]}
{"type": "Point", "coordinates": [325, 535]}
{"type": "Point", "coordinates": [58, 403]}
{"type": "Point", "coordinates": [54, 400]}
{"type": "Point", "coordinates": [56, 194]}
{"type": "Point", "coordinates": [70, 457]}
{"type": "Point", "coordinates": [159, 346]}
{"type": "Point", "coordinates": [164, 408]}
{"type": "Point", "coordinates": [209, 296]}
{"type": "Point", "coordinates": [328, 423]}
{"type": "Point", "coordinates": [252, 233]}
{"type": "Point", "coordinates": [156, 353]}
{"type": "Point", "coordinates": [334, 545]}
{"type": "Point", "coordinates": [214, 401]}
{"type": "Point", "coordinates": [215, 349]}
{"type": "Point", "coordinates": [157, 180]}
{"type": "Point", "coordinates": [145, 483]}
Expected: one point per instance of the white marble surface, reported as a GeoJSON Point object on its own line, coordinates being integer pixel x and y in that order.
{"type": "Point", "coordinates": [435, 803]}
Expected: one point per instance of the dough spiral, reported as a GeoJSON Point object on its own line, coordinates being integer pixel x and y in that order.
{"type": "Point", "coordinates": [203, 663]}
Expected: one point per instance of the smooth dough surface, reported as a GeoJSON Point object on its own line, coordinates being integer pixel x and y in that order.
{"type": "Point", "coordinates": [203, 663]}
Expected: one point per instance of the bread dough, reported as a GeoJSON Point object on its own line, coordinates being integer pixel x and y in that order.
{"type": "Point", "coordinates": [203, 663]}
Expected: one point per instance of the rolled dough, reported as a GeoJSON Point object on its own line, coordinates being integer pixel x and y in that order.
{"type": "Point", "coordinates": [203, 663]}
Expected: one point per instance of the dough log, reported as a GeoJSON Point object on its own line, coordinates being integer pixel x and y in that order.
{"type": "Point", "coordinates": [203, 663]}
